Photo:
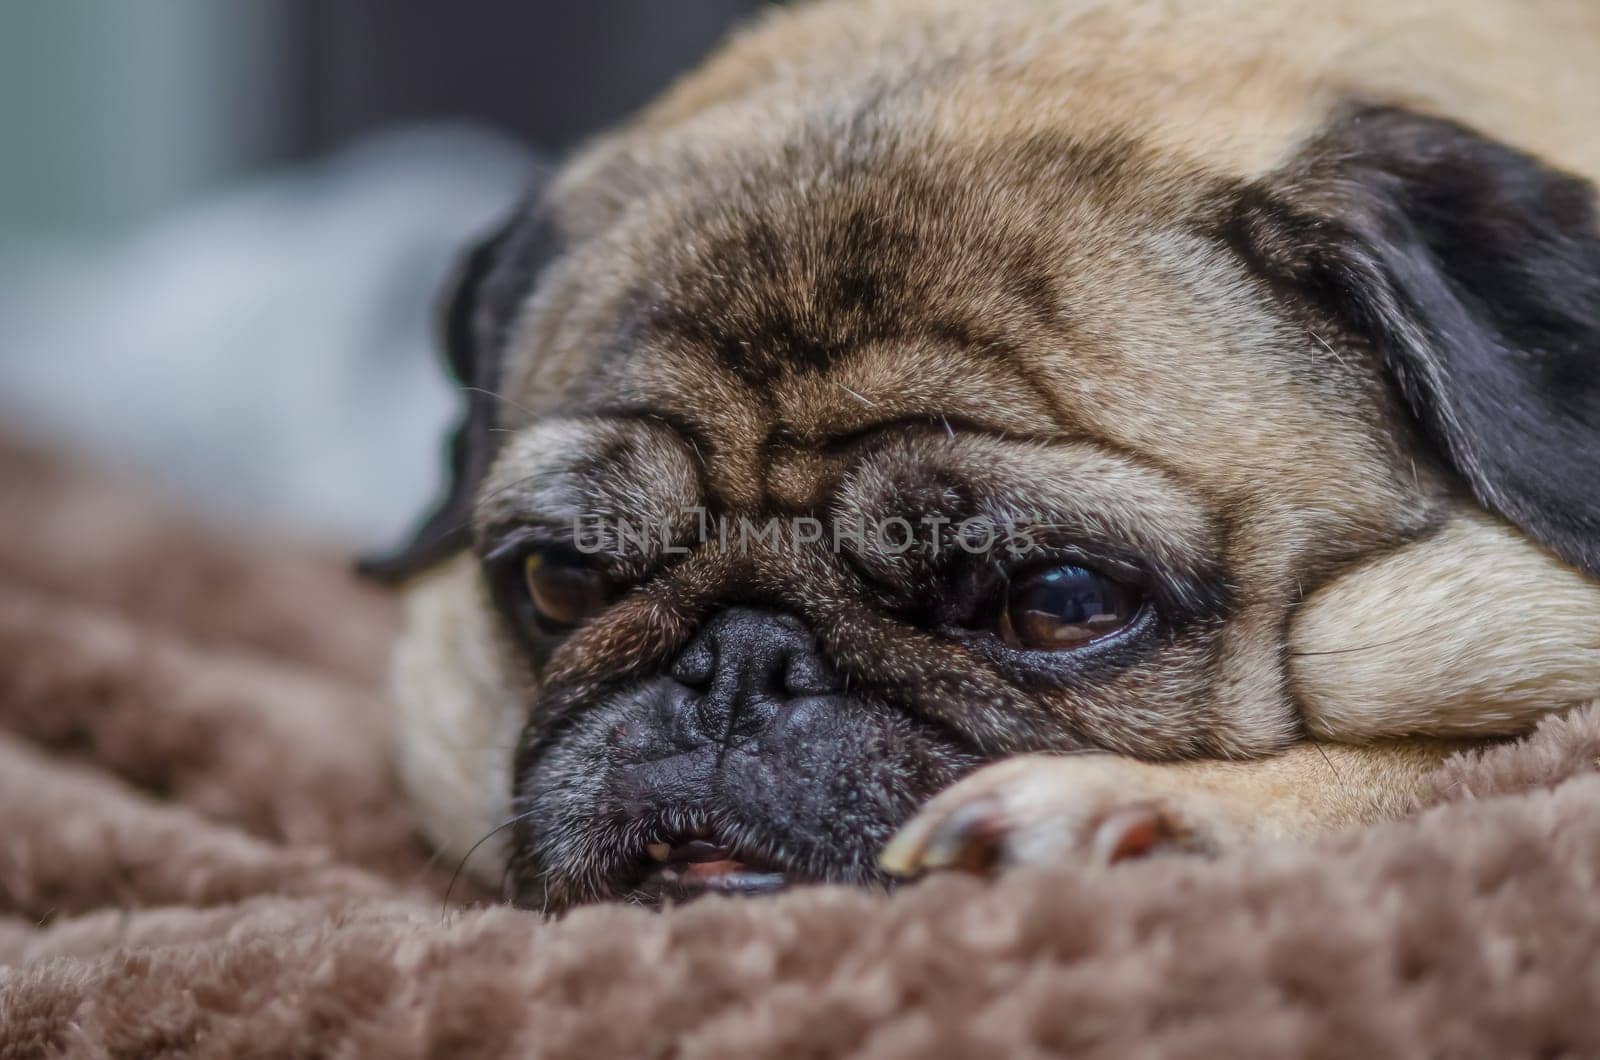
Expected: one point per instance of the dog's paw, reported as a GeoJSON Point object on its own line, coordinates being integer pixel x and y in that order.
{"type": "Point", "coordinates": [1091, 809]}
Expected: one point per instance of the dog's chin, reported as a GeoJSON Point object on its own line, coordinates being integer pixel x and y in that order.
{"type": "Point", "coordinates": [629, 804]}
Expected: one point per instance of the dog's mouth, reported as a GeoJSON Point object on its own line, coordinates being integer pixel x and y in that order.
{"type": "Point", "coordinates": [688, 865]}
{"type": "Point", "coordinates": [624, 805]}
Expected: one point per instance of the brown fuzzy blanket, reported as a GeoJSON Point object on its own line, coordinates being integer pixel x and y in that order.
{"type": "Point", "coordinates": [202, 854]}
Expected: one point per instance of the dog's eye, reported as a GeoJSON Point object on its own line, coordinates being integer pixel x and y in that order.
{"type": "Point", "coordinates": [564, 590]}
{"type": "Point", "coordinates": [1065, 607]}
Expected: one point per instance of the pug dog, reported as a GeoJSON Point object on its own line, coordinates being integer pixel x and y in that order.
{"type": "Point", "coordinates": [947, 435]}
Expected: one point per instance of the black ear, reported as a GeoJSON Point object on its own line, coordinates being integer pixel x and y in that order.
{"type": "Point", "coordinates": [1475, 270]}
{"type": "Point", "coordinates": [478, 307]}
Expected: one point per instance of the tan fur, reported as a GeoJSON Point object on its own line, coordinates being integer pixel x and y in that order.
{"type": "Point", "coordinates": [1470, 632]}
{"type": "Point", "coordinates": [1419, 615]}
{"type": "Point", "coordinates": [458, 721]}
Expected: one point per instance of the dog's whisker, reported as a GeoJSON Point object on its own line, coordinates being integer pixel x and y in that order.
{"type": "Point", "coordinates": [499, 397]}
{"type": "Point", "coordinates": [1335, 354]}
{"type": "Point", "coordinates": [859, 397]}
{"type": "Point", "coordinates": [1391, 642]}
{"type": "Point", "coordinates": [473, 849]}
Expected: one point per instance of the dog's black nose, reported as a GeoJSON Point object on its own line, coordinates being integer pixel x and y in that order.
{"type": "Point", "coordinates": [746, 663]}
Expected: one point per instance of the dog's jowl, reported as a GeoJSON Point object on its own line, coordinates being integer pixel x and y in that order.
{"type": "Point", "coordinates": [941, 434]}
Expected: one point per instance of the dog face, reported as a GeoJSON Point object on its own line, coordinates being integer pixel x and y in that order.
{"type": "Point", "coordinates": [807, 469]}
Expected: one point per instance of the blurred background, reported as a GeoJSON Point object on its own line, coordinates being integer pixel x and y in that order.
{"type": "Point", "coordinates": [222, 223]}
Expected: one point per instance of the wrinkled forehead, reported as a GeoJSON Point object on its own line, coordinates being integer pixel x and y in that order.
{"type": "Point", "coordinates": [776, 321]}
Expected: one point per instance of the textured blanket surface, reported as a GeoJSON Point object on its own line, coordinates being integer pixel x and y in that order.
{"type": "Point", "coordinates": [202, 853]}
